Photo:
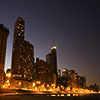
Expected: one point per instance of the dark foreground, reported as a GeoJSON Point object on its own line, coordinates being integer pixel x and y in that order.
{"type": "Point", "coordinates": [45, 97]}
{"type": "Point", "coordinates": [7, 94]}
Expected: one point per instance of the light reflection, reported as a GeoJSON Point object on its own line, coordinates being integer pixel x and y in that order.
{"type": "Point", "coordinates": [53, 95]}
{"type": "Point", "coordinates": [68, 95]}
{"type": "Point", "coordinates": [62, 94]}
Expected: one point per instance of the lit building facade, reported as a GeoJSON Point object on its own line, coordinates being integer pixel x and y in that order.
{"type": "Point", "coordinates": [81, 81]}
{"type": "Point", "coordinates": [73, 78]}
{"type": "Point", "coordinates": [70, 78]}
{"type": "Point", "coordinates": [22, 54]}
{"type": "Point", "coordinates": [3, 42]}
{"type": "Point", "coordinates": [44, 72]}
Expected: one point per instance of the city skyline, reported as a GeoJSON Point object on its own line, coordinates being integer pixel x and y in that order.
{"type": "Point", "coordinates": [76, 48]}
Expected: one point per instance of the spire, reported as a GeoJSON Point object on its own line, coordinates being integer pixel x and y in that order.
{"type": "Point", "coordinates": [54, 41]}
{"type": "Point", "coordinates": [53, 46]}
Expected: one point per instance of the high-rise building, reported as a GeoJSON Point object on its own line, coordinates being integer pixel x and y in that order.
{"type": "Point", "coordinates": [3, 41]}
{"type": "Point", "coordinates": [26, 66]}
{"type": "Point", "coordinates": [51, 58]}
{"type": "Point", "coordinates": [22, 53]}
{"type": "Point", "coordinates": [54, 59]}
{"type": "Point", "coordinates": [17, 43]}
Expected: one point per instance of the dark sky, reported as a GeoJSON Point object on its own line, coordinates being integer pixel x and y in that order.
{"type": "Point", "coordinates": [73, 24]}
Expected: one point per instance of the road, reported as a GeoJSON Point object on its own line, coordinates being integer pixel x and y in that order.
{"type": "Point", "coordinates": [36, 95]}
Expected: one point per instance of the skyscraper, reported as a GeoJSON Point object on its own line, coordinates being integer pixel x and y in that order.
{"type": "Point", "coordinates": [54, 59]}
{"type": "Point", "coordinates": [51, 58]}
{"type": "Point", "coordinates": [17, 43]}
{"type": "Point", "coordinates": [22, 53]}
{"type": "Point", "coordinates": [3, 41]}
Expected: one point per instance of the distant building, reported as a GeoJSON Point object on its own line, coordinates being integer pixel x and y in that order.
{"type": "Point", "coordinates": [62, 81]}
{"type": "Point", "coordinates": [94, 87]}
{"type": "Point", "coordinates": [22, 54]}
{"type": "Point", "coordinates": [59, 73]}
{"type": "Point", "coordinates": [44, 72]}
{"type": "Point", "coordinates": [73, 78]}
{"type": "Point", "coordinates": [70, 78]}
{"type": "Point", "coordinates": [51, 59]}
{"type": "Point", "coordinates": [3, 42]}
{"type": "Point", "coordinates": [65, 72]}
{"type": "Point", "coordinates": [81, 81]}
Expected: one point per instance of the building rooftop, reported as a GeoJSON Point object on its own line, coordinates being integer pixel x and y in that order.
{"type": "Point", "coordinates": [3, 27]}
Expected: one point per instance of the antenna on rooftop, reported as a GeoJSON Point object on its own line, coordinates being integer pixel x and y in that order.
{"type": "Point", "coordinates": [53, 41]}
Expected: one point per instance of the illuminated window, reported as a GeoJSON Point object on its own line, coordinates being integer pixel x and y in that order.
{"type": "Point", "coordinates": [24, 75]}
{"type": "Point", "coordinates": [18, 27]}
{"type": "Point", "coordinates": [19, 83]}
{"type": "Point", "coordinates": [19, 34]}
{"type": "Point", "coordinates": [22, 30]}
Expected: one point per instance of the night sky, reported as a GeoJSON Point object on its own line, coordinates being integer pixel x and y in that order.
{"type": "Point", "coordinates": [74, 25]}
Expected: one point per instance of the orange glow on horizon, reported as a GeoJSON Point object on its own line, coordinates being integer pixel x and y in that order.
{"type": "Point", "coordinates": [36, 86]}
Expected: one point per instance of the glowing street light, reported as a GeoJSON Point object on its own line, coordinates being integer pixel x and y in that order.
{"type": "Point", "coordinates": [34, 84]}
{"type": "Point", "coordinates": [38, 82]}
{"type": "Point", "coordinates": [8, 75]}
{"type": "Point", "coordinates": [19, 83]}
